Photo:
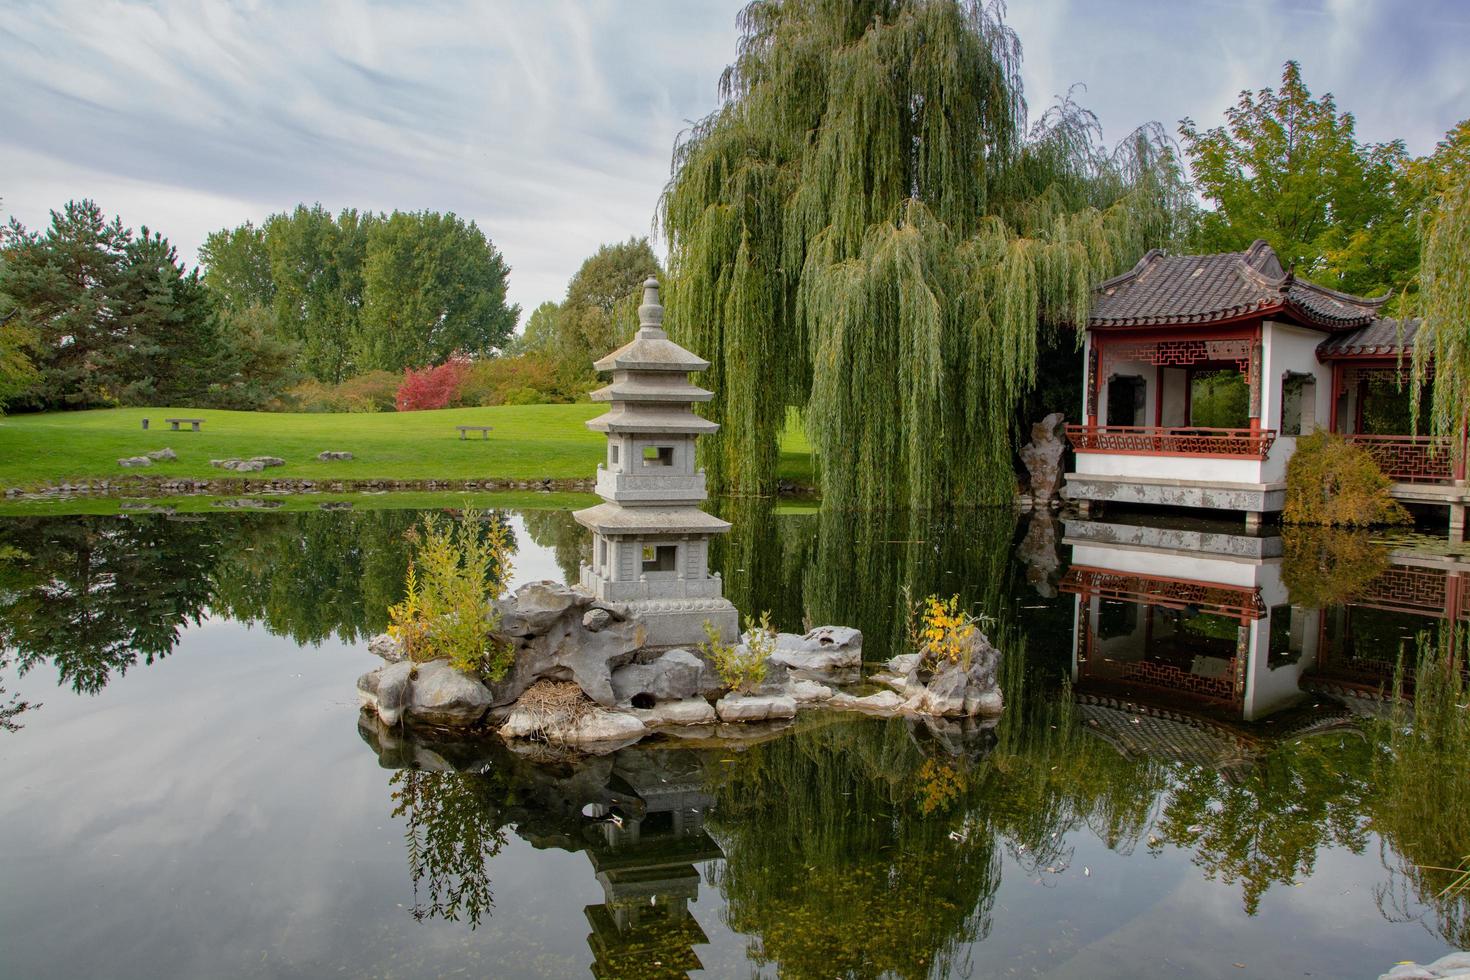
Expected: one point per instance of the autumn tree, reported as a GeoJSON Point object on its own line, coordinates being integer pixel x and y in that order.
{"type": "Point", "coordinates": [1288, 168]}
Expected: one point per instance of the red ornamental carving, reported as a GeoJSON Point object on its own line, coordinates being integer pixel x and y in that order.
{"type": "Point", "coordinates": [1410, 459]}
{"type": "Point", "coordinates": [1180, 353]}
{"type": "Point", "coordinates": [1171, 593]}
{"type": "Point", "coordinates": [1142, 440]}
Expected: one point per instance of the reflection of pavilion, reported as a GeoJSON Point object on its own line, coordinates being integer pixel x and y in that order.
{"type": "Point", "coordinates": [1361, 639]}
{"type": "Point", "coordinates": [644, 857]}
{"type": "Point", "coordinates": [1196, 617]}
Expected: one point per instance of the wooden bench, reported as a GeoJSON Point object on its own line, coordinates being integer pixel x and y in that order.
{"type": "Point", "coordinates": [484, 430]}
{"type": "Point", "coordinates": [174, 424]}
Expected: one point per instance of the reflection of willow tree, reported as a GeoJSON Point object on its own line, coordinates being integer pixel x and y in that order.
{"type": "Point", "coordinates": [1422, 806]}
{"type": "Point", "coordinates": [1265, 823]}
{"type": "Point", "coordinates": [453, 828]}
{"type": "Point", "coordinates": [94, 595]}
{"type": "Point", "coordinates": [559, 531]}
{"type": "Point", "coordinates": [763, 559]}
{"type": "Point", "coordinates": [864, 561]}
{"type": "Point", "coordinates": [848, 876]}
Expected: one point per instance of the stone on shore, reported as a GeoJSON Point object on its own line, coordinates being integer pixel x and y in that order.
{"type": "Point", "coordinates": [882, 703]}
{"type": "Point", "coordinates": [594, 725]}
{"type": "Point", "coordinates": [675, 676]}
{"type": "Point", "coordinates": [441, 695]}
{"type": "Point", "coordinates": [691, 711]}
{"type": "Point", "coordinates": [739, 707]}
{"type": "Point", "coordinates": [1453, 965]}
{"type": "Point", "coordinates": [389, 647]}
{"type": "Point", "coordinates": [825, 648]}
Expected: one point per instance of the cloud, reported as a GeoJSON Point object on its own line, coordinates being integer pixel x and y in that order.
{"type": "Point", "coordinates": [551, 123]}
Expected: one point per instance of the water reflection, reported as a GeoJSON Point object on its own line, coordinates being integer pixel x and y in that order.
{"type": "Point", "coordinates": [1179, 696]}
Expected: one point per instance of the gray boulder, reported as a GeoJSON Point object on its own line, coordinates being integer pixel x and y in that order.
{"type": "Point", "coordinates": [692, 711]}
{"type": "Point", "coordinates": [267, 461]}
{"type": "Point", "coordinates": [538, 605]}
{"type": "Point", "coordinates": [882, 703]}
{"type": "Point", "coordinates": [1042, 458]}
{"type": "Point", "coordinates": [132, 462]}
{"type": "Point", "coordinates": [385, 690]}
{"type": "Point", "coordinates": [328, 457]}
{"type": "Point", "coordinates": [739, 707]}
{"type": "Point", "coordinates": [544, 621]}
{"type": "Point", "coordinates": [950, 688]}
{"type": "Point", "coordinates": [596, 620]}
{"type": "Point", "coordinates": [161, 455]}
{"type": "Point", "coordinates": [825, 648]}
{"type": "Point", "coordinates": [441, 695]}
{"type": "Point", "coordinates": [675, 676]}
{"type": "Point", "coordinates": [596, 725]}
{"type": "Point", "coordinates": [387, 647]}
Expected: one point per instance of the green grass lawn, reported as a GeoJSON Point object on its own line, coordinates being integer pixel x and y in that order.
{"type": "Point", "coordinates": [528, 442]}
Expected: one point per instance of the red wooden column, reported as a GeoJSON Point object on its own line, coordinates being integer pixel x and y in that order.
{"type": "Point", "coordinates": [1094, 379]}
{"type": "Point", "coordinates": [1336, 394]}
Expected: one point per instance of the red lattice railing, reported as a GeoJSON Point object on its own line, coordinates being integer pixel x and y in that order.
{"type": "Point", "coordinates": [1410, 459]}
{"type": "Point", "coordinates": [1172, 593]}
{"type": "Point", "coordinates": [1140, 440]}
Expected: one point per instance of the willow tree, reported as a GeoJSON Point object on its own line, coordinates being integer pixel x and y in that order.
{"type": "Point", "coordinates": [866, 231]}
{"type": "Point", "coordinates": [1444, 301]}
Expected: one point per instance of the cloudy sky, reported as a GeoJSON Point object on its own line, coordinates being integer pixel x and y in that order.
{"type": "Point", "coordinates": [551, 123]}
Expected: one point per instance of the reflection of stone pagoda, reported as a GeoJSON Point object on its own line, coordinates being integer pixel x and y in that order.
{"type": "Point", "coordinates": [645, 864]}
{"type": "Point", "coordinates": [650, 540]}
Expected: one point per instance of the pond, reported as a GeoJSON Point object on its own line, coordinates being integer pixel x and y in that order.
{"type": "Point", "coordinates": [1197, 773]}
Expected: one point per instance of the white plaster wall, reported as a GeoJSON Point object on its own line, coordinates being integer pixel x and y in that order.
{"type": "Point", "coordinates": [1176, 385]}
{"type": "Point", "coordinates": [1195, 469]}
{"type": "Point", "coordinates": [1289, 348]}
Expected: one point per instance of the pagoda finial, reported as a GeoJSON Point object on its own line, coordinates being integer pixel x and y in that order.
{"type": "Point", "coordinates": [651, 313]}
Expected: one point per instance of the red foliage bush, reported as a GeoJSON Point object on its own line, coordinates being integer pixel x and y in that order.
{"type": "Point", "coordinates": [433, 387]}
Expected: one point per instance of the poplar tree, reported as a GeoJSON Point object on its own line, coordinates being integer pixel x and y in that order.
{"type": "Point", "coordinates": [866, 231]}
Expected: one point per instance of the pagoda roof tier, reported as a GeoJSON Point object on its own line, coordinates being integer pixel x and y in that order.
{"type": "Point", "coordinates": [662, 420]}
{"type": "Point", "coordinates": [651, 350]}
{"type": "Point", "coordinates": [1199, 289]}
{"type": "Point", "coordinates": [632, 390]}
{"type": "Point", "coordinates": [618, 519]}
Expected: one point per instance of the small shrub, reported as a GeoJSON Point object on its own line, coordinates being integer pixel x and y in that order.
{"type": "Point", "coordinates": [1332, 481]}
{"type": "Point", "coordinates": [458, 570]}
{"type": "Point", "coordinates": [526, 379]}
{"type": "Point", "coordinates": [942, 631]}
{"type": "Point", "coordinates": [374, 391]}
{"type": "Point", "coordinates": [741, 670]}
{"type": "Point", "coordinates": [432, 388]}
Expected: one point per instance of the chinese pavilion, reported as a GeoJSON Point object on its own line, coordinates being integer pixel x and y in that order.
{"type": "Point", "coordinates": [650, 539]}
{"type": "Point", "coordinates": [1202, 370]}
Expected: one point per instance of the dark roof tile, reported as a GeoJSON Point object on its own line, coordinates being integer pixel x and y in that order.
{"type": "Point", "coordinates": [1176, 289]}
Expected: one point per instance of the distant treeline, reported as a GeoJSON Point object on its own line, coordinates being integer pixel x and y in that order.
{"type": "Point", "coordinates": [308, 311]}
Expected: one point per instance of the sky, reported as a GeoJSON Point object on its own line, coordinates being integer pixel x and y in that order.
{"type": "Point", "coordinates": [551, 124]}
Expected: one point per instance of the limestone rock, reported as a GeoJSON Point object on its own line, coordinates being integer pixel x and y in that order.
{"type": "Point", "coordinates": [328, 457]}
{"type": "Point", "coordinates": [596, 620]}
{"type": "Point", "coordinates": [238, 465]}
{"type": "Point", "coordinates": [596, 725]}
{"type": "Point", "coordinates": [441, 695]}
{"type": "Point", "coordinates": [544, 622]}
{"type": "Point", "coordinates": [675, 676]}
{"type": "Point", "coordinates": [267, 461]}
{"type": "Point", "coordinates": [1042, 457]}
{"type": "Point", "coordinates": [387, 647]}
{"type": "Point", "coordinates": [949, 689]}
{"type": "Point", "coordinates": [825, 648]}
{"type": "Point", "coordinates": [539, 604]}
{"type": "Point", "coordinates": [806, 692]}
{"type": "Point", "coordinates": [691, 711]}
{"type": "Point", "coordinates": [164, 454]}
{"type": "Point", "coordinates": [739, 707]}
{"type": "Point", "coordinates": [386, 691]}
{"type": "Point", "coordinates": [1455, 965]}
{"type": "Point", "coordinates": [884, 702]}
{"type": "Point", "coordinates": [131, 462]}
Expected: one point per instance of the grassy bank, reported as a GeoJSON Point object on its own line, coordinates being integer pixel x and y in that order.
{"type": "Point", "coordinates": [529, 442]}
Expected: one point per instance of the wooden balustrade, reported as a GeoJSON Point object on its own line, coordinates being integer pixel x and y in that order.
{"type": "Point", "coordinates": [1410, 459]}
{"type": "Point", "coordinates": [1142, 440]}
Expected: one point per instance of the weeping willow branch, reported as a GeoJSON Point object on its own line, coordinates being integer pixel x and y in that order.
{"type": "Point", "coordinates": [1444, 333]}
{"type": "Point", "coordinates": [865, 232]}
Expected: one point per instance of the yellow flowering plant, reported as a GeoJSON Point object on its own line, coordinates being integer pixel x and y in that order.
{"type": "Point", "coordinates": [943, 631]}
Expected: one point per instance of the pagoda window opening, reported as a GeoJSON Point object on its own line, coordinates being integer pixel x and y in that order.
{"type": "Point", "coordinates": [602, 554]}
{"type": "Point", "coordinates": [1219, 398]}
{"type": "Point", "coordinates": [660, 558]}
{"type": "Point", "coordinates": [1125, 399]}
{"type": "Point", "coordinates": [612, 453]}
{"type": "Point", "coordinates": [658, 455]}
{"type": "Point", "coordinates": [1298, 404]}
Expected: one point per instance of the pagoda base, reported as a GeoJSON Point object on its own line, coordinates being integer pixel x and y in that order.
{"type": "Point", "coordinates": [680, 622]}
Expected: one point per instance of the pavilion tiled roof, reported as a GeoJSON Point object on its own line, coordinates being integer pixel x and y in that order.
{"type": "Point", "coordinates": [1198, 289]}
{"type": "Point", "coordinates": [1381, 338]}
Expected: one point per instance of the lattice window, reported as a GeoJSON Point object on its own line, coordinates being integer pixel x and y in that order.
{"type": "Point", "coordinates": [1180, 353]}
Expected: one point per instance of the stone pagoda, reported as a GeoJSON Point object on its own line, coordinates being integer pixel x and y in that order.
{"type": "Point", "coordinates": [650, 539]}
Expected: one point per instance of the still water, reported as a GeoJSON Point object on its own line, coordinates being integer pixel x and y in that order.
{"type": "Point", "coordinates": [1196, 775]}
